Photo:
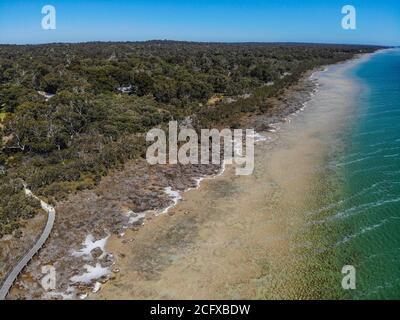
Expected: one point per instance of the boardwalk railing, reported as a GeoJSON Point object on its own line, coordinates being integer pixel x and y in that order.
{"type": "Point", "coordinates": [7, 284]}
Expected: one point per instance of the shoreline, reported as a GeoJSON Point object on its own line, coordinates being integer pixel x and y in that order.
{"type": "Point", "coordinates": [152, 289]}
{"type": "Point", "coordinates": [176, 190]}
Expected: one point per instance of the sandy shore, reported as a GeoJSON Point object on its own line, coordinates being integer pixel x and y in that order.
{"type": "Point", "coordinates": [242, 237]}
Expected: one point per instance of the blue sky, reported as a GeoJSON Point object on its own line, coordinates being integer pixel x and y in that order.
{"type": "Point", "coordinates": [378, 22]}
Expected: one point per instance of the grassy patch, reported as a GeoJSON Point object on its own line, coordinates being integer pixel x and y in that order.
{"type": "Point", "coordinates": [2, 115]}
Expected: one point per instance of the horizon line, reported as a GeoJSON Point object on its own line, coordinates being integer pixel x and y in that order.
{"type": "Point", "coordinates": [199, 42]}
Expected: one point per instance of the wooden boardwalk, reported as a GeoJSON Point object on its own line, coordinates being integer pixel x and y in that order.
{"type": "Point", "coordinates": [7, 284]}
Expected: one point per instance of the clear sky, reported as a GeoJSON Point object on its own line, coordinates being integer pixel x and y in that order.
{"type": "Point", "coordinates": [378, 21]}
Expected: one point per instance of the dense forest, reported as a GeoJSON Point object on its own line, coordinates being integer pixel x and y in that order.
{"type": "Point", "coordinates": [71, 112]}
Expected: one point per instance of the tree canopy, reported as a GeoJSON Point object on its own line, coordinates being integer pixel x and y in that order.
{"type": "Point", "coordinates": [70, 112]}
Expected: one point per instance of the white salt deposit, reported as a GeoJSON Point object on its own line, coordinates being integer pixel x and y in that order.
{"type": "Point", "coordinates": [97, 287]}
{"type": "Point", "coordinates": [175, 196]}
{"type": "Point", "coordinates": [259, 137]}
{"type": "Point", "coordinates": [135, 217]}
{"type": "Point", "coordinates": [89, 244]}
{"type": "Point", "coordinates": [69, 294]}
{"type": "Point", "coordinates": [91, 274]}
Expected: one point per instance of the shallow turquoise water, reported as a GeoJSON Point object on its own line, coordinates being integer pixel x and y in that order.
{"type": "Point", "coordinates": [366, 215]}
